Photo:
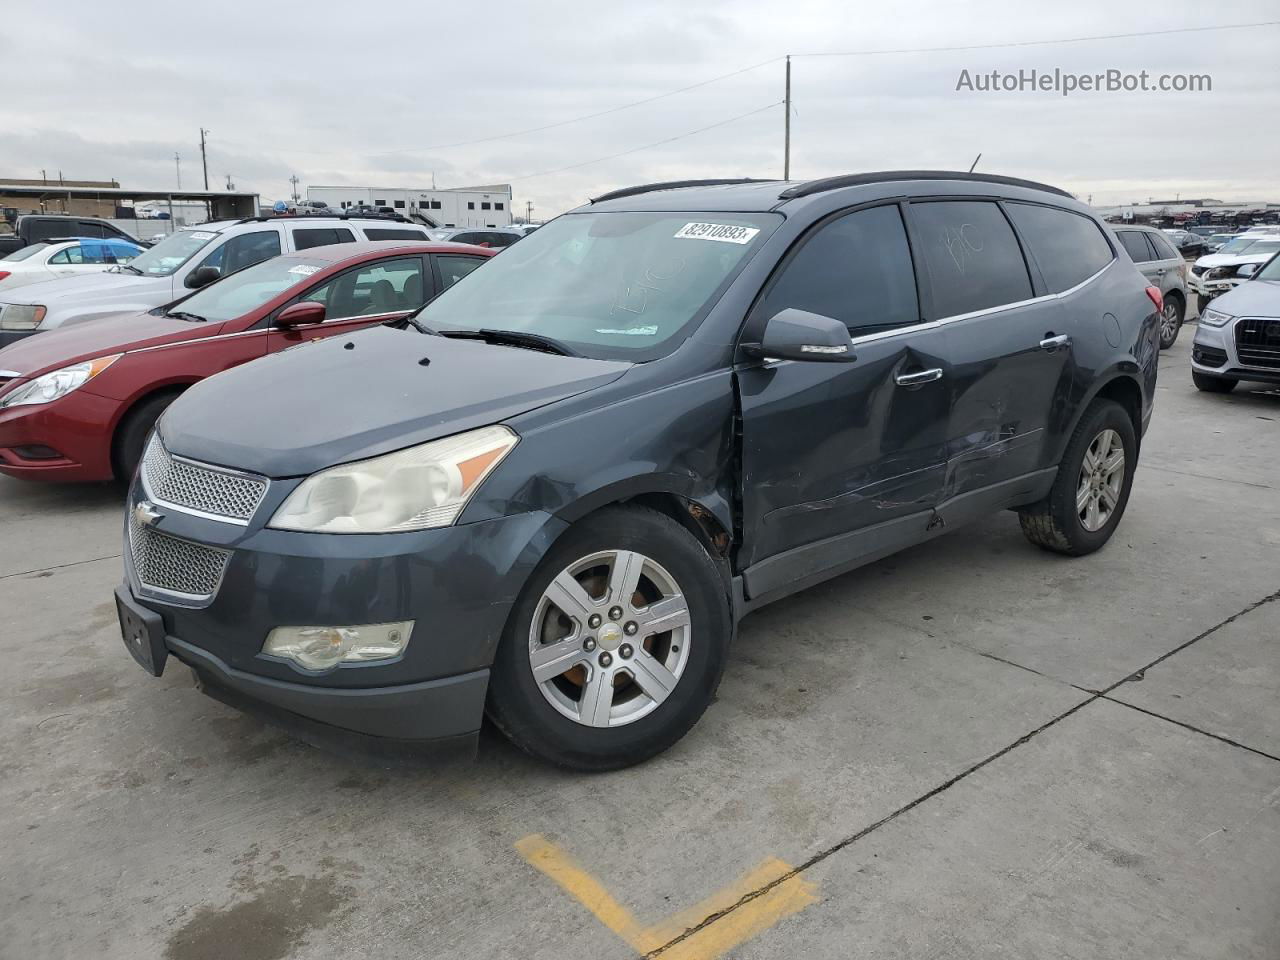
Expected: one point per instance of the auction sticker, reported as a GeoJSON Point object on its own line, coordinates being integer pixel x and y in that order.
{"type": "Point", "coordinates": [200, 235]}
{"type": "Point", "coordinates": [723, 232]}
{"type": "Point", "coordinates": [305, 269]}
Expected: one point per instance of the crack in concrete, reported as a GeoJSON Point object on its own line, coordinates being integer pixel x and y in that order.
{"type": "Point", "coordinates": [1205, 476]}
{"type": "Point", "coordinates": [58, 566]}
{"type": "Point", "coordinates": [1193, 728]}
{"type": "Point", "coordinates": [835, 848]}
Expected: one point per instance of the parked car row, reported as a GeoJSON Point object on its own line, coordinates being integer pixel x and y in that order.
{"type": "Point", "coordinates": [551, 493]}
{"type": "Point", "coordinates": [1234, 262]}
{"type": "Point", "coordinates": [185, 260]}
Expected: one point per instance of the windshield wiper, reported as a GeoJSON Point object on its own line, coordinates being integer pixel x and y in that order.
{"type": "Point", "coordinates": [413, 321]}
{"type": "Point", "coordinates": [514, 338]}
{"type": "Point", "coordinates": [183, 315]}
{"type": "Point", "coordinates": [130, 267]}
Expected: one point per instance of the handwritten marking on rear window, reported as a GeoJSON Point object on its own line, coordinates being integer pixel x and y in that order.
{"type": "Point", "coordinates": [961, 243]}
{"type": "Point", "coordinates": [722, 232]}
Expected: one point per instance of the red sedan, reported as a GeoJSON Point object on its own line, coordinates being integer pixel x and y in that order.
{"type": "Point", "coordinates": [77, 403]}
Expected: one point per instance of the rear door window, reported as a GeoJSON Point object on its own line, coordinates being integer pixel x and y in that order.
{"type": "Point", "coordinates": [306, 238]}
{"type": "Point", "coordinates": [855, 269]}
{"type": "Point", "coordinates": [1136, 244]}
{"type": "Point", "coordinates": [971, 256]}
{"type": "Point", "coordinates": [1069, 248]}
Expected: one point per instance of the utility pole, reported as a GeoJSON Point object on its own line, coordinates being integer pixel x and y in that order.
{"type": "Point", "coordinates": [786, 142]}
{"type": "Point", "coordinates": [528, 211]}
{"type": "Point", "coordinates": [177, 164]}
{"type": "Point", "coordinates": [294, 181]}
{"type": "Point", "coordinates": [204, 160]}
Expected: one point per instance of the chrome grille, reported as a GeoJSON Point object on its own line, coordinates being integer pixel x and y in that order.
{"type": "Point", "coordinates": [171, 565]}
{"type": "Point", "coordinates": [190, 486]}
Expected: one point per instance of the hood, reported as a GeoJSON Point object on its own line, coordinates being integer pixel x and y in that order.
{"type": "Point", "coordinates": [322, 403]}
{"type": "Point", "coordinates": [1233, 259]}
{"type": "Point", "coordinates": [91, 289]}
{"type": "Point", "coordinates": [32, 356]}
{"type": "Point", "coordinates": [1255, 298]}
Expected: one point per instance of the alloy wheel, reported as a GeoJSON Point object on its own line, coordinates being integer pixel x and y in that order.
{"type": "Point", "coordinates": [609, 639]}
{"type": "Point", "coordinates": [1101, 480]}
{"type": "Point", "coordinates": [1168, 321]}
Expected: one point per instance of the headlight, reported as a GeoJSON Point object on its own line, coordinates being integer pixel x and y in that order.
{"type": "Point", "coordinates": [319, 648]}
{"type": "Point", "coordinates": [415, 489]}
{"type": "Point", "coordinates": [1215, 318]}
{"type": "Point", "coordinates": [21, 316]}
{"type": "Point", "coordinates": [59, 383]}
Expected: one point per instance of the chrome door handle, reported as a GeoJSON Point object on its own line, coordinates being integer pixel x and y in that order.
{"type": "Point", "coordinates": [917, 378]}
{"type": "Point", "coordinates": [1053, 343]}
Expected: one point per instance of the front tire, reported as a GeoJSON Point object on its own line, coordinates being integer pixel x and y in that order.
{"type": "Point", "coordinates": [1211, 384]}
{"type": "Point", "coordinates": [616, 645]}
{"type": "Point", "coordinates": [131, 435]}
{"type": "Point", "coordinates": [1171, 320]}
{"type": "Point", "coordinates": [1091, 490]}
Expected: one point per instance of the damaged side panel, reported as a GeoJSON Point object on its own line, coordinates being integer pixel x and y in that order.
{"type": "Point", "coordinates": [828, 449]}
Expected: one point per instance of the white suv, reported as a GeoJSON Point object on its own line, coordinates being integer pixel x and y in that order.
{"type": "Point", "coordinates": [183, 261]}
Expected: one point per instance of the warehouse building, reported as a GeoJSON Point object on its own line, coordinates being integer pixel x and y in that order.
{"type": "Point", "coordinates": [484, 206]}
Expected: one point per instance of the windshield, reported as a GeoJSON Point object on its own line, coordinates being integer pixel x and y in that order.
{"type": "Point", "coordinates": [247, 289]}
{"type": "Point", "coordinates": [626, 286]}
{"type": "Point", "coordinates": [26, 252]}
{"type": "Point", "coordinates": [171, 252]}
{"type": "Point", "coordinates": [1238, 245]}
{"type": "Point", "coordinates": [1270, 271]}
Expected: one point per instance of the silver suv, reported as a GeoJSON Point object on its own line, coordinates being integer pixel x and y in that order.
{"type": "Point", "coordinates": [1238, 337]}
{"type": "Point", "coordinates": [1166, 269]}
{"type": "Point", "coordinates": [182, 262]}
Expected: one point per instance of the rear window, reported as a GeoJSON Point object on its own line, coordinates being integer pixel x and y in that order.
{"type": "Point", "coordinates": [305, 239]}
{"type": "Point", "coordinates": [1069, 248]}
{"type": "Point", "coordinates": [393, 233]}
{"type": "Point", "coordinates": [28, 251]}
{"type": "Point", "coordinates": [972, 256]}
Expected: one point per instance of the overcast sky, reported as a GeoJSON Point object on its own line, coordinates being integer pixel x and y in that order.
{"type": "Point", "coordinates": [374, 94]}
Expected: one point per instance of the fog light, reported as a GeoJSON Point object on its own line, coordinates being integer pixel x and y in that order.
{"type": "Point", "coordinates": [321, 648]}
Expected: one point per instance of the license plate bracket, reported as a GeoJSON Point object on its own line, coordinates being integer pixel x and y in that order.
{"type": "Point", "coordinates": [142, 631]}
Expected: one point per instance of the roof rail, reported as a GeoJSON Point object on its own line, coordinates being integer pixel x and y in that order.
{"type": "Point", "coordinates": [673, 185]}
{"type": "Point", "coordinates": [395, 217]}
{"type": "Point", "coordinates": [858, 179]}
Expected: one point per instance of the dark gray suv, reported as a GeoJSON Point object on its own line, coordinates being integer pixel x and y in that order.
{"type": "Point", "coordinates": [551, 494]}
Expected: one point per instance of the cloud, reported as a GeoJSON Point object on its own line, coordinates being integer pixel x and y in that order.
{"type": "Point", "coordinates": [379, 98]}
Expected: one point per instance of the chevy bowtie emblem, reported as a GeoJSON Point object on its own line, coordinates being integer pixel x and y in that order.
{"type": "Point", "coordinates": [146, 513]}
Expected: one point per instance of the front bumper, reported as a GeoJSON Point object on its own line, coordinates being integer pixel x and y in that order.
{"type": "Point", "coordinates": [1214, 352]}
{"type": "Point", "coordinates": [77, 427]}
{"type": "Point", "coordinates": [457, 584]}
{"type": "Point", "coordinates": [1212, 288]}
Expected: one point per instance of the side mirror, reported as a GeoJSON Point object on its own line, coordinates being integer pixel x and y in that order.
{"type": "Point", "coordinates": [300, 315]}
{"type": "Point", "coordinates": [201, 277]}
{"type": "Point", "coordinates": [1247, 269]}
{"type": "Point", "coordinates": [793, 334]}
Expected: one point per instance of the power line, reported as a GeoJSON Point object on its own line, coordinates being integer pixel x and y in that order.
{"type": "Point", "coordinates": [647, 146]}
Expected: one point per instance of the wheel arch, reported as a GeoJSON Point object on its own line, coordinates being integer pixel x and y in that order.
{"type": "Point", "coordinates": [173, 388]}
{"type": "Point", "coordinates": [1123, 387]}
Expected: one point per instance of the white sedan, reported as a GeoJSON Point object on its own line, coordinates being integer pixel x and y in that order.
{"type": "Point", "coordinates": [63, 258]}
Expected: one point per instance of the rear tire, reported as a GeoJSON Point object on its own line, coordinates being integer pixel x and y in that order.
{"type": "Point", "coordinates": [1090, 492]}
{"type": "Point", "coordinates": [1171, 317]}
{"type": "Point", "coordinates": [1211, 384]}
{"type": "Point", "coordinates": [131, 434]}
{"type": "Point", "coordinates": [586, 708]}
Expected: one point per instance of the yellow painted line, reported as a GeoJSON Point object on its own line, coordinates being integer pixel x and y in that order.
{"type": "Point", "coordinates": [715, 940]}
